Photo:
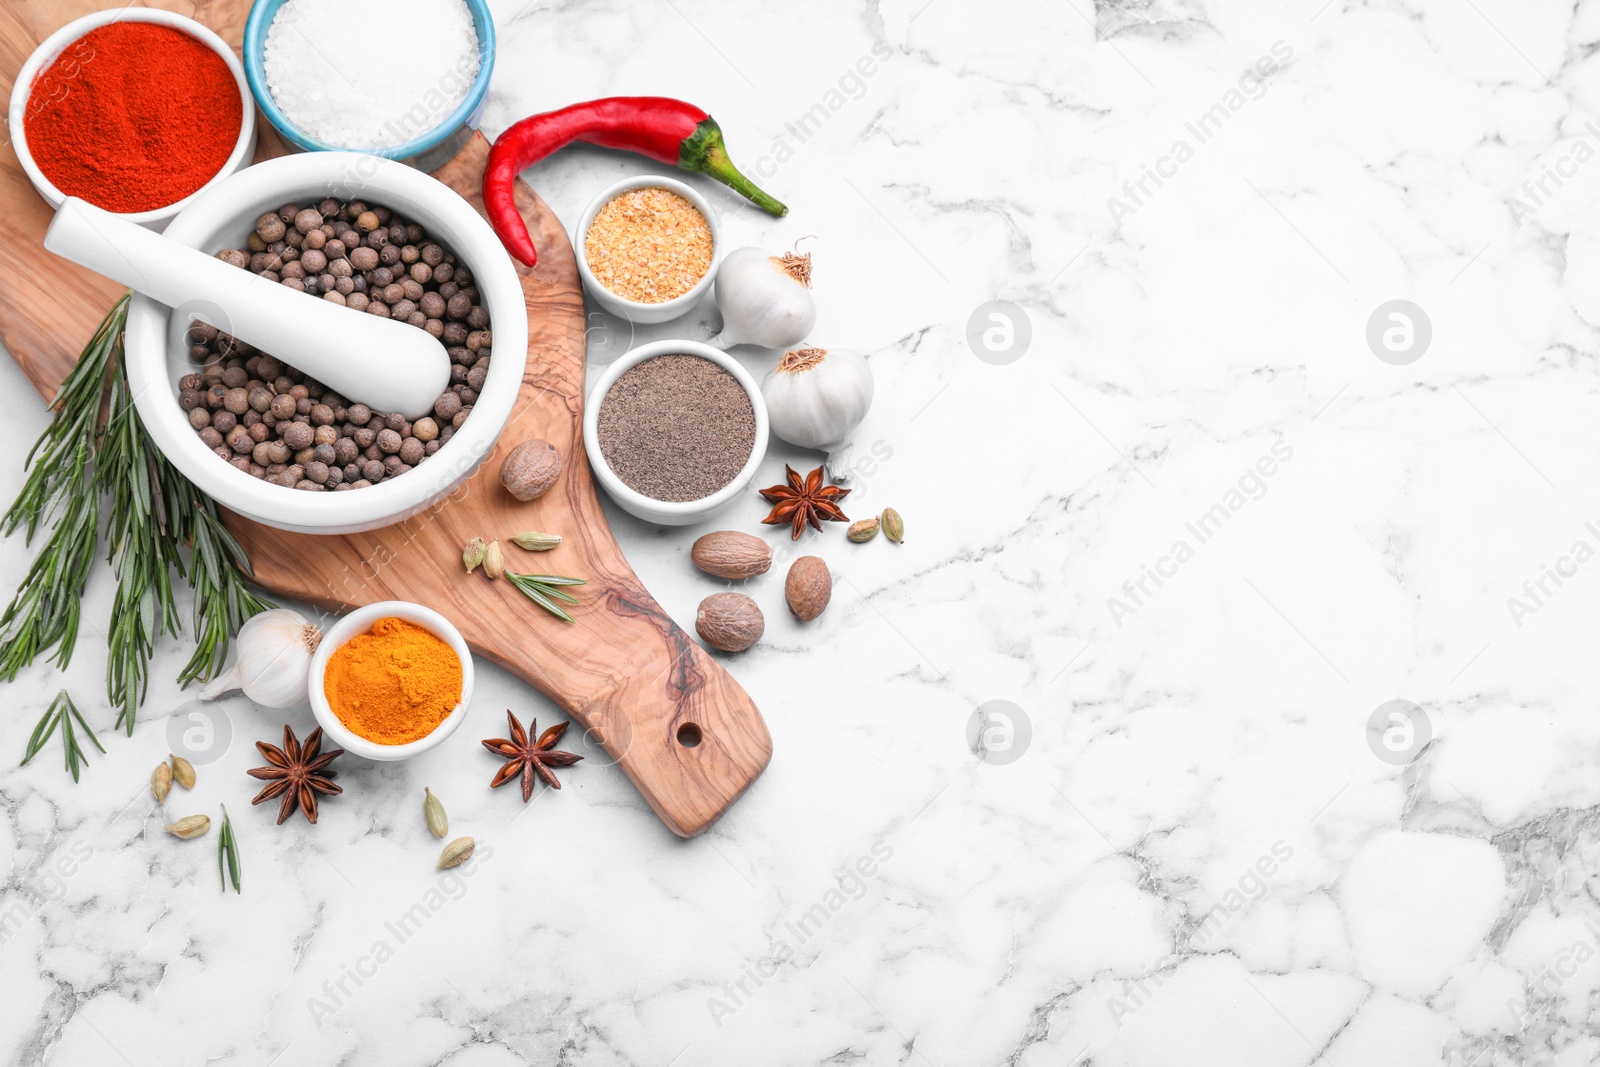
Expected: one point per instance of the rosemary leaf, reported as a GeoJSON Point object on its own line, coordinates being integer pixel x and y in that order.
{"type": "Point", "coordinates": [63, 712]}
{"type": "Point", "coordinates": [222, 601]}
{"type": "Point", "coordinates": [540, 588]}
{"type": "Point", "coordinates": [129, 470]}
{"type": "Point", "coordinates": [227, 853]}
{"type": "Point", "coordinates": [554, 579]}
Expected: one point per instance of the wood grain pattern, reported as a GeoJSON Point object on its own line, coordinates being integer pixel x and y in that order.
{"type": "Point", "coordinates": [624, 669]}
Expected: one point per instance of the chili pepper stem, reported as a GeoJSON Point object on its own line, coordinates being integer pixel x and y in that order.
{"type": "Point", "coordinates": [705, 152]}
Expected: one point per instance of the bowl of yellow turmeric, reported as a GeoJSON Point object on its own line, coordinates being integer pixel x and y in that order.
{"type": "Point", "coordinates": [391, 680]}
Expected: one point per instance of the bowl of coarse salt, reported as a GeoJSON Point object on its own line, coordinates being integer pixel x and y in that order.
{"type": "Point", "coordinates": [412, 86]}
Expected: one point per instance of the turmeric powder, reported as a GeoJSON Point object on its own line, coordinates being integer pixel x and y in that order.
{"type": "Point", "coordinates": [395, 684]}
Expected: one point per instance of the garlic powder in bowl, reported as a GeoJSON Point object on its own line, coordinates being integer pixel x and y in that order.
{"type": "Point", "coordinates": [649, 245]}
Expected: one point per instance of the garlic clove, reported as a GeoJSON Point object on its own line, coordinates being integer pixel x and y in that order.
{"type": "Point", "coordinates": [816, 398]}
{"type": "Point", "coordinates": [764, 299]}
{"type": "Point", "coordinates": [272, 664]}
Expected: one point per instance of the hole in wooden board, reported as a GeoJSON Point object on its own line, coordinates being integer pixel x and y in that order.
{"type": "Point", "coordinates": [689, 735]}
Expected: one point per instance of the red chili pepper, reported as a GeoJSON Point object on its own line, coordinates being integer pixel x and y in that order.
{"type": "Point", "coordinates": [666, 130]}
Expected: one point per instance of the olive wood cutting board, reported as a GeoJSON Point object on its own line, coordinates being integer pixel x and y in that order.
{"type": "Point", "coordinates": [677, 724]}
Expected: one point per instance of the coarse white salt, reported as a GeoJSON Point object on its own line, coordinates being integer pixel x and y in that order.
{"type": "Point", "coordinates": [367, 74]}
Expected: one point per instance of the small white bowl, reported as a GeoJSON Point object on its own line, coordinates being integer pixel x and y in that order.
{"type": "Point", "coordinates": [636, 310]}
{"type": "Point", "coordinates": [669, 512]}
{"type": "Point", "coordinates": [243, 149]}
{"type": "Point", "coordinates": [359, 622]}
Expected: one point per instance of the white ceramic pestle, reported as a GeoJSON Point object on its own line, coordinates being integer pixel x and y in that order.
{"type": "Point", "coordinates": [387, 365]}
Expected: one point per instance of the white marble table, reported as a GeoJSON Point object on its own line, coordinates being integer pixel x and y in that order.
{"type": "Point", "coordinates": [1197, 530]}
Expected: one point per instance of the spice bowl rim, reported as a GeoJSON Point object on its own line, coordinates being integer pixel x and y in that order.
{"type": "Point", "coordinates": [259, 21]}
{"type": "Point", "coordinates": [638, 311]}
{"type": "Point", "coordinates": [358, 622]}
{"type": "Point", "coordinates": [673, 512]}
{"type": "Point", "coordinates": [58, 42]}
{"type": "Point", "coordinates": [154, 367]}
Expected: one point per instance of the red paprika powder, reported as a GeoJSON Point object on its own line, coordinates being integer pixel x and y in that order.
{"type": "Point", "coordinates": [133, 116]}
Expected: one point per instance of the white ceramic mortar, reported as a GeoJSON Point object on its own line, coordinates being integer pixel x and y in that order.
{"type": "Point", "coordinates": [221, 217]}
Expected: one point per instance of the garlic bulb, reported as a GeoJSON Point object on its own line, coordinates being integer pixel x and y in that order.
{"type": "Point", "coordinates": [816, 397]}
{"type": "Point", "coordinates": [765, 299]}
{"type": "Point", "coordinates": [273, 665]}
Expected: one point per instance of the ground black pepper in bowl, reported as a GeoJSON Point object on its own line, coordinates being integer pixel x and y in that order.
{"type": "Point", "coordinates": [272, 422]}
{"type": "Point", "coordinates": [676, 428]}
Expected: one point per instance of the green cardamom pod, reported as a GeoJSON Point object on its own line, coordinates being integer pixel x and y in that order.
{"type": "Point", "coordinates": [472, 554]}
{"type": "Point", "coordinates": [863, 531]}
{"type": "Point", "coordinates": [161, 782]}
{"type": "Point", "coordinates": [182, 771]}
{"type": "Point", "coordinates": [894, 527]}
{"type": "Point", "coordinates": [537, 542]}
{"type": "Point", "coordinates": [190, 827]}
{"type": "Point", "coordinates": [494, 561]}
{"type": "Point", "coordinates": [456, 853]}
{"type": "Point", "coordinates": [433, 812]}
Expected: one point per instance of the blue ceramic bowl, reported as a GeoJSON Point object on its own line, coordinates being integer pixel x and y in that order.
{"type": "Point", "coordinates": [454, 129]}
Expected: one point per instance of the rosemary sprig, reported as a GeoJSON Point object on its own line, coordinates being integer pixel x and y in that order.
{"type": "Point", "coordinates": [62, 712]}
{"type": "Point", "coordinates": [153, 512]}
{"type": "Point", "coordinates": [227, 853]}
{"type": "Point", "coordinates": [59, 492]}
{"type": "Point", "coordinates": [542, 590]}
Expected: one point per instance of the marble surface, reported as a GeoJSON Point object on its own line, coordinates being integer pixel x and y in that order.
{"type": "Point", "coordinates": [1198, 532]}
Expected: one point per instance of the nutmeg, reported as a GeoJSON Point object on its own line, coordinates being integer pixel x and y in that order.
{"type": "Point", "coordinates": [731, 554]}
{"type": "Point", "coordinates": [808, 588]}
{"type": "Point", "coordinates": [531, 469]}
{"type": "Point", "coordinates": [730, 622]}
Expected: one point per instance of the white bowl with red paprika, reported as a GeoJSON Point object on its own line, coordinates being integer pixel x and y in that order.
{"type": "Point", "coordinates": [135, 110]}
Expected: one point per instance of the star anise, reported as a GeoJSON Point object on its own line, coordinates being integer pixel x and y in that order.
{"type": "Point", "coordinates": [296, 773]}
{"type": "Point", "coordinates": [801, 502]}
{"type": "Point", "coordinates": [529, 759]}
